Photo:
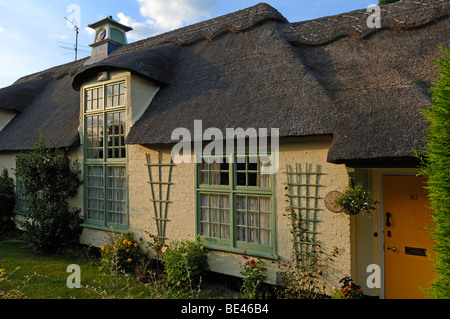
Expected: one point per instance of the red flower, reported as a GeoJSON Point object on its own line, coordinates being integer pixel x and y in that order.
{"type": "Point", "coordinates": [253, 262]}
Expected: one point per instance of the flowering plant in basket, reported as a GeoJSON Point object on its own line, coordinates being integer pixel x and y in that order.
{"type": "Point", "coordinates": [355, 200]}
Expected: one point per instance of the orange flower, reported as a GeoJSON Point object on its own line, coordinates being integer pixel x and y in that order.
{"type": "Point", "coordinates": [129, 260]}
{"type": "Point", "coordinates": [129, 243]}
{"type": "Point", "coordinates": [127, 250]}
{"type": "Point", "coordinates": [135, 244]}
{"type": "Point", "coordinates": [102, 248]}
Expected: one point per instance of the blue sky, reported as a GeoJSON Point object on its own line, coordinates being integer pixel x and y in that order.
{"type": "Point", "coordinates": [34, 34]}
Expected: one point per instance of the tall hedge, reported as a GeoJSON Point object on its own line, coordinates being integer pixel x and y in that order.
{"type": "Point", "coordinates": [436, 167]}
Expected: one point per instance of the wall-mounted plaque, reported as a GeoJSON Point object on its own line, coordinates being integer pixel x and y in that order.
{"type": "Point", "coordinates": [329, 202]}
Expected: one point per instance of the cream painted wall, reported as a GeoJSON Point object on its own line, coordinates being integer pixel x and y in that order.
{"type": "Point", "coordinates": [334, 228]}
{"type": "Point", "coordinates": [5, 117]}
{"type": "Point", "coordinates": [8, 161]}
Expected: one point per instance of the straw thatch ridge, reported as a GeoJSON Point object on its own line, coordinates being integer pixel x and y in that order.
{"type": "Point", "coordinates": [252, 68]}
{"type": "Point", "coordinates": [403, 16]}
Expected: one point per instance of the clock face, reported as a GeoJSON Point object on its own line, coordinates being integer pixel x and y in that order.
{"type": "Point", "coordinates": [101, 35]}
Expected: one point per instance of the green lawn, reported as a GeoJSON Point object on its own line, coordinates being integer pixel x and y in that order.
{"type": "Point", "coordinates": [46, 278]}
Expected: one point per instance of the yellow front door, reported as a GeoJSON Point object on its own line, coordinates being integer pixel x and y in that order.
{"type": "Point", "coordinates": [406, 244]}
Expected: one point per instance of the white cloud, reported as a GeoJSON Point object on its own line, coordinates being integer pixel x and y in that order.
{"type": "Point", "coordinates": [89, 30]}
{"type": "Point", "coordinates": [1, 29]}
{"type": "Point", "coordinates": [166, 15]}
{"type": "Point", "coordinates": [140, 30]}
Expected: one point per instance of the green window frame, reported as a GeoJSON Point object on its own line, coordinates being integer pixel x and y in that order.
{"type": "Point", "coordinates": [21, 205]}
{"type": "Point", "coordinates": [105, 156]}
{"type": "Point", "coordinates": [236, 204]}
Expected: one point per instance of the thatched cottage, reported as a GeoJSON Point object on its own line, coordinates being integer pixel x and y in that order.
{"type": "Point", "coordinates": [344, 100]}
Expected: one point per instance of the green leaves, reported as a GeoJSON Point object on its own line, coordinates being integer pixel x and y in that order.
{"type": "Point", "coordinates": [49, 180]}
{"type": "Point", "coordinates": [435, 161]}
{"type": "Point", "coordinates": [253, 271]}
{"type": "Point", "coordinates": [383, 2]}
{"type": "Point", "coordinates": [7, 200]}
{"type": "Point", "coordinates": [355, 200]}
{"type": "Point", "coordinates": [185, 263]}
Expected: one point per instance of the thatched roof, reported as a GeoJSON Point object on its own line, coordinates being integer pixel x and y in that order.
{"type": "Point", "coordinates": [44, 102]}
{"type": "Point", "coordinates": [252, 68]}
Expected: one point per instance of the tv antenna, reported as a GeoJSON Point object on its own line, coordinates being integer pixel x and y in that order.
{"type": "Point", "coordinates": [76, 38]}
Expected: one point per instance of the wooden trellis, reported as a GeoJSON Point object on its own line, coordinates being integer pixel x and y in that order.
{"type": "Point", "coordinates": [303, 196]}
{"type": "Point", "coordinates": [159, 198]}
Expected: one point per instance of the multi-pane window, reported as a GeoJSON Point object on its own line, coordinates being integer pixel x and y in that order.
{"type": "Point", "coordinates": [105, 154]}
{"type": "Point", "coordinates": [21, 198]}
{"type": "Point", "coordinates": [214, 171]}
{"type": "Point", "coordinates": [234, 202]}
{"type": "Point", "coordinates": [215, 215]}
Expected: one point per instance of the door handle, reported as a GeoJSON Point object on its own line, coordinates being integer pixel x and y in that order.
{"type": "Point", "coordinates": [394, 249]}
{"type": "Point", "coordinates": [388, 223]}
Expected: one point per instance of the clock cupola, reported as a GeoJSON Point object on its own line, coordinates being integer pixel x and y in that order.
{"type": "Point", "coordinates": [109, 35]}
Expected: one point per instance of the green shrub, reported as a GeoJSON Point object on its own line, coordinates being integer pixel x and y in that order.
{"type": "Point", "coordinates": [185, 262]}
{"type": "Point", "coordinates": [49, 180]}
{"type": "Point", "coordinates": [348, 290]}
{"type": "Point", "coordinates": [253, 286]}
{"type": "Point", "coordinates": [123, 253]}
{"type": "Point", "coordinates": [7, 201]}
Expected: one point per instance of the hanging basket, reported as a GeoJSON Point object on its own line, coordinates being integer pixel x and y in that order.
{"type": "Point", "coordinates": [355, 200]}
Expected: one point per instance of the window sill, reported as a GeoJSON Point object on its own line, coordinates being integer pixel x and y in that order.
{"type": "Point", "coordinates": [115, 228]}
{"type": "Point", "coordinates": [240, 251]}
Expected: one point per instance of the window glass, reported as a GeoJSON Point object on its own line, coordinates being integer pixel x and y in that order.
{"type": "Point", "coordinates": [214, 171]}
{"type": "Point", "coordinates": [94, 137]}
{"type": "Point", "coordinates": [215, 215]}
